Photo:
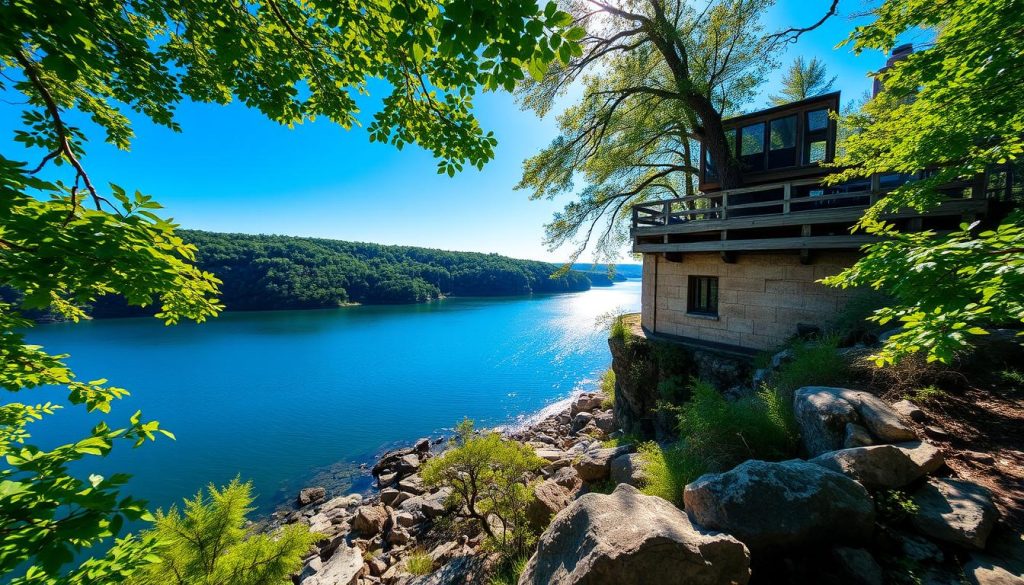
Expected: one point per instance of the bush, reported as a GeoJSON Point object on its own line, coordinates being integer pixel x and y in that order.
{"type": "Point", "coordinates": [813, 364]}
{"type": "Point", "coordinates": [488, 478]}
{"type": "Point", "coordinates": [668, 470]}
{"type": "Point", "coordinates": [925, 395]}
{"type": "Point", "coordinates": [724, 433]}
{"type": "Point", "coordinates": [618, 329]}
{"type": "Point", "coordinates": [419, 563]}
{"type": "Point", "coordinates": [208, 543]}
{"type": "Point", "coordinates": [510, 571]}
{"type": "Point", "coordinates": [608, 388]}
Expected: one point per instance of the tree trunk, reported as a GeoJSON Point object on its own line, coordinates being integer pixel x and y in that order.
{"type": "Point", "coordinates": [713, 134]}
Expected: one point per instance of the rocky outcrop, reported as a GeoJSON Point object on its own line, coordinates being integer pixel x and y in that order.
{"type": "Point", "coordinates": [342, 568]}
{"type": "Point", "coordinates": [884, 466]}
{"type": "Point", "coordinates": [311, 495]}
{"type": "Point", "coordinates": [549, 498]}
{"type": "Point", "coordinates": [824, 415]}
{"type": "Point", "coordinates": [596, 464]}
{"type": "Point", "coordinates": [370, 520]}
{"type": "Point", "coordinates": [785, 505]}
{"type": "Point", "coordinates": [628, 538]}
{"type": "Point", "coordinates": [954, 511]}
{"type": "Point", "coordinates": [629, 469]}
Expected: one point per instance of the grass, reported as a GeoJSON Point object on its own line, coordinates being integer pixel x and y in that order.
{"type": "Point", "coordinates": [608, 388]}
{"type": "Point", "coordinates": [618, 329]}
{"type": "Point", "coordinates": [813, 364]}
{"type": "Point", "coordinates": [926, 394]}
{"type": "Point", "coordinates": [668, 470]}
{"type": "Point", "coordinates": [629, 439]}
{"type": "Point", "coordinates": [1014, 377]}
{"type": "Point", "coordinates": [510, 571]}
{"type": "Point", "coordinates": [419, 563]}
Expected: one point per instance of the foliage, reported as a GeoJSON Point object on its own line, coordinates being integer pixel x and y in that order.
{"type": "Point", "coordinates": [925, 394]}
{"type": "Point", "coordinates": [814, 363]}
{"type": "Point", "coordinates": [954, 106]}
{"type": "Point", "coordinates": [667, 470]}
{"type": "Point", "coordinates": [608, 388]}
{"type": "Point", "coordinates": [656, 79]}
{"type": "Point", "coordinates": [510, 571]}
{"type": "Point", "coordinates": [723, 433]}
{"type": "Point", "coordinates": [488, 476]}
{"type": "Point", "coordinates": [282, 272]}
{"type": "Point", "coordinates": [67, 240]}
{"type": "Point", "coordinates": [207, 543]}
{"type": "Point", "coordinates": [852, 324]}
{"type": "Point", "coordinates": [803, 79]}
{"type": "Point", "coordinates": [419, 562]}
{"type": "Point", "coordinates": [894, 506]}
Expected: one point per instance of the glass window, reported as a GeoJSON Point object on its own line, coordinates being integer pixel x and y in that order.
{"type": "Point", "coordinates": [730, 139]}
{"type": "Point", "coordinates": [752, 140]}
{"type": "Point", "coordinates": [817, 120]}
{"type": "Point", "coordinates": [783, 133]}
{"type": "Point", "coordinates": [816, 151]}
{"type": "Point", "coordinates": [702, 295]}
{"type": "Point", "coordinates": [710, 174]}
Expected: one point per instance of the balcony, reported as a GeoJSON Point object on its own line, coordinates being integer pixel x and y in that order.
{"type": "Point", "coordinates": [793, 215]}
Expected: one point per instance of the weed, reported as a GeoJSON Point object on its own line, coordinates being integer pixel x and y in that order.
{"type": "Point", "coordinates": [419, 563]}
{"type": "Point", "coordinates": [510, 571]}
{"type": "Point", "coordinates": [608, 388]}
{"type": "Point", "coordinates": [667, 470]}
{"type": "Point", "coordinates": [813, 363]}
{"type": "Point", "coordinates": [894, 506]}
{"type": "Point", "coordinates": [926, 394]}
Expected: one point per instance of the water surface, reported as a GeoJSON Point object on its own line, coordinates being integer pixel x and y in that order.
{"type": "Point", "coordinates": [283, 397]}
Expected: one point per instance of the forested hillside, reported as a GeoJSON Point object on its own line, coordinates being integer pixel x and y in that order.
{"type": "Point", "coordinates": [283, 272]}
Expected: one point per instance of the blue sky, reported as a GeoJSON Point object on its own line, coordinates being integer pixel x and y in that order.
{"type": "Point", "coordinates": [232, 170]}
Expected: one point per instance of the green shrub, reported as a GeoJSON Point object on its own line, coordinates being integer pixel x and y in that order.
{"type": "Point", "coordinates": [419, 563]}
{"type": "Point", "coordinates": [618, 329]}
{"type": "Point", "coordinates": [668, 469]}
{"type": "Point", "coordinates": [608, 388]}
{"type": "Point", "coordinates": [510, 571]}
{"type": "Point", "coordinates": [926, 394]}
{"type": "Point", "coordinates": [813, 364]}
{"type": "Point", "coordinates": [486, 475]}
{"type": "Point", "coordinates": [674, 389]}
{"type": "Point", "coordinates": [724, 433]}
{"type": "Point", "coordinates": [208, 543]}
{"type": "Point", "coordinates": [894, 506]}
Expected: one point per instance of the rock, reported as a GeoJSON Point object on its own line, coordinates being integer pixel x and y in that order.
{"type": "Point", "coordinates": [568, 478]}
{"type": "Point", "coordinates": [412, 484]}
{"type": "Point", "coordinates": [627, 538]}
{"type": "Point", "coordinates": [760, 377]}
{"type": "Point", "coordinates": [430, 505]}
{"type": "Point", "coordinates": [399, 536]}
{"type": "Point", "coordinates": [596, 465]}
{"type": "Point", "coordinates": [445, 551]}
{"type": "Point", "coordinates": [879, 466]}
{"type": "Point", "coordinates": [341, 502]}
{"type": "Point", "coordinates": [392, 497]}
{"type": "Point", "coordinates": [822, 415]}
{"type": "Point", "coordinates": [984, 570]}
{"type": "Point", "coordinates": [782, 505]}
{"type": "Point", "coordinates": [461, 570]}
{"type": "Point", "coordinates": [342, 568]}
{"type": "Point", "coordinates": [883, 422]}
{"type": "Point", "coordinates": [410, 462]}
{"type": "Point", "coordinates": [909, 411]}
{"type": "Point", "coordinates": [919, 550]}
{"type": "Point", "coordinates": [936, 432]}
{"type": "Point", "coordinates": [856, 436]}
{"type": "Point", "coordinates": [885, 335]}
{"type": "Point", "coordinates": [423, 445]}
{"type": "Point", "coordinates": [628, 468]}
{"type": "Point", "coordinates": [549, 498]}
{"type": "Point", "coordinates": [783, 357]}
{"type": "Point", "coordinates": [550, 454]}
{"type": "Point", "coordinates": [386, 479]}
{"type": "Point", "coordinates": [311, 495]}
{"type": "Point", "coordinates": [605, 422]}
{"type": "Point", "coordinates": [585, 403]}
{"type": "Point", "coordinates": [580, 421]}
{"type": "Point", "coordinates": [404, 519]}
{"type": "Point", "coordinates": [857, 567]}
{"type": "Point", "coordinates": [370, 520]}
{"type": "Point", "coordinates": [954, 511]}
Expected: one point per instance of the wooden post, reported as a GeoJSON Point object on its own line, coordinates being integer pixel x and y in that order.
{"type": "Point", "coordinates": [787, 192]}
{"type": "Point", "coordinates": [666, 212]}
{"type": "Point", "coordinates": [725, 205]}
{"type": "Point", "coordinates": [876, 186]}
{"type": "Point", "coordinates": [805, 252]}
{"type": "Point", "coordinates": [727, 256]}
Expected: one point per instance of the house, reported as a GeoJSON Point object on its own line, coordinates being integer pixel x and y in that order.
{"type": "Point", "coordinates": [738, 268]}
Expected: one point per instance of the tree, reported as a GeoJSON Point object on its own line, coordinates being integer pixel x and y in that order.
{"type": "Point", "coordinates": [66, 240]}
{"type": "Point", "coordinates": [207, 543]}
{"type": "Point", "coordinates": [953, 106]}
{"type": "Point", "coordinates": [803, 80]}
{"type": "Point", "coordinates": [489, 478]}
{"type": "Point", "coordinates": [657, 79]}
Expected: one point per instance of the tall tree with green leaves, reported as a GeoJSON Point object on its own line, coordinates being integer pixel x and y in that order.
{"type": "Point", "coordinates": [803, 79]}
{"type": "Point", "coordinates": [955, 105]}
{"type": "Point", "coordinates": [68, 237]}
{"type": "Point", "coordinates": [657, 78]}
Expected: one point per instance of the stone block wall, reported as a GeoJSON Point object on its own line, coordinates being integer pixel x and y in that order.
{"type": "Point", "coordinates": [762, 297]}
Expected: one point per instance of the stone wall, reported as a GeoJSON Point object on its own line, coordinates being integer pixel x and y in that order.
{"type": "Point", "coordinates": [762, 297]}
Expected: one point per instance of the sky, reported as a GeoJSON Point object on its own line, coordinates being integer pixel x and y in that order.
{"type": "Point", "coordinates": [232, 170]}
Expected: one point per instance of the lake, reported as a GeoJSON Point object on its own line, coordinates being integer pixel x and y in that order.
{"type": "Point", "coordinates": [291, 398]}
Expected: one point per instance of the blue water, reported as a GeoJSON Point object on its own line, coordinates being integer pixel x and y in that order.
{"type": "Point", "coordinates": [285, 398]}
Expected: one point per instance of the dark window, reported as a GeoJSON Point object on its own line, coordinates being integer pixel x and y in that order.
{"type": "Point", "coordinates": [752, 147]}
{"type": "Point", "coordinates": [782, 143]}
{"type": "Point", "coordinates": [702, 297]}
{"type": "Point", "coordinates": [816, 137]}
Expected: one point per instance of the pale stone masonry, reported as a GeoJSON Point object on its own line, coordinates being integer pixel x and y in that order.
{"type": "Point", "coordinates": [762, 297]}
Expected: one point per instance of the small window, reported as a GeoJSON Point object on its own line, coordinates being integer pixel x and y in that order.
{"type": "Point", "coordinates": [816, 151]}
{"type": "Point", "coordinates": [817, 120]}
{"type": "Point", "coordinates": [816, 137]}
{"type": "Point", "coordinates": [752, 147]}
{"type": "Point", "coordinates": [702, 295]}
{"type": "Point", "coordinates": [782, 143]}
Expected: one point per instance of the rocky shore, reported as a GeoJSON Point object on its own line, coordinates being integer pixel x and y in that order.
{"type": "Point", "coordinates": [870, 495]}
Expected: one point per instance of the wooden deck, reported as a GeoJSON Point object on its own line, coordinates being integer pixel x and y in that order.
{"type": "Point", "coordinates": [781, 216]}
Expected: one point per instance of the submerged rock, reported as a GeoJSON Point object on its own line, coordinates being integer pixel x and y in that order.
{"type": "Point", "coordinates": [782, 505]}
{"type": "Point", "coordinates": [627, 538]}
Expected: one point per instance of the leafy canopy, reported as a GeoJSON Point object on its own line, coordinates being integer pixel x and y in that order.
{"type": "Point", "coordinates": [207, 543]}
{"type": "Point", "coordinates": [68, 239]}
{"type": "Point", "coordinates": [954, 105]}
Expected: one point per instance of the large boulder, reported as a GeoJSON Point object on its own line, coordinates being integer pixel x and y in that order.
{"type": "Point", "coordinates": [782, 505]}
{"type": "Point", "coordinates": [311, 495]}
{"type": "Point", "coordinates": [549, 498]}
{"type": "Point", "coordinates": [823, 413]}
{"type": "Point", "coordinates": [883, 466]}
{"type": "Point", "coordinates": [596, 465]}
{"type": "Point", "coordinates": [370, 520]}
{"type": "Point", "coordinates": [629, 468]}
{"type": "Point", "coordinates": [954, 511]}
{"type": "Point", "coordinates": [627, 538]}
{"type": "Point", "coordinates": [430, 505]}
{"type": "Point", "coordinates": [342, 568]}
